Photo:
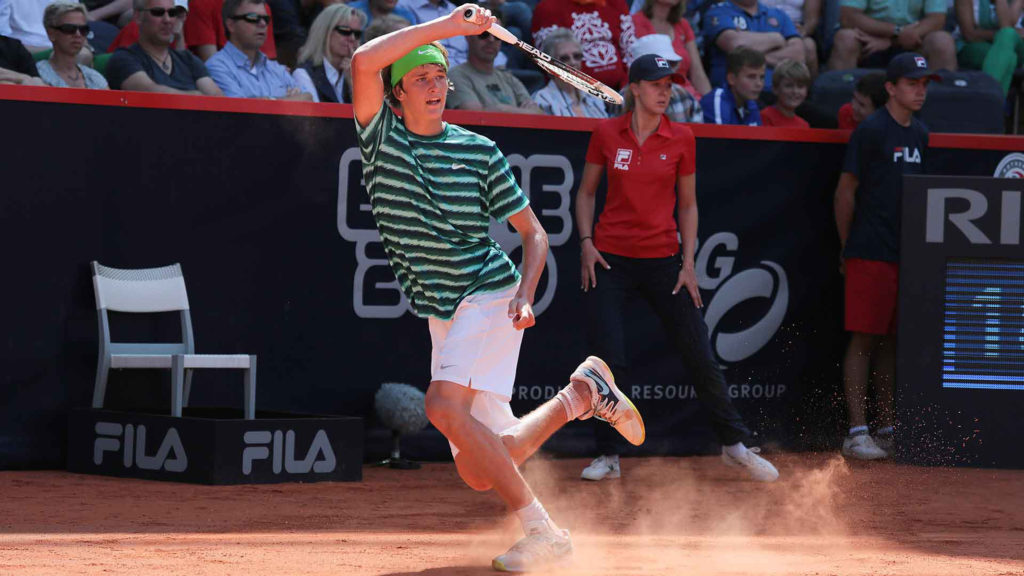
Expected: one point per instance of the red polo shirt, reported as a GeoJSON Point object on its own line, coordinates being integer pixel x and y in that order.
{"type": "Point", "coordinates": [639, 216]}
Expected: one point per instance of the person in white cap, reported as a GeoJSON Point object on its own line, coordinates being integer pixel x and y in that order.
{"type": "Point", "coordinates": [683, 106]}
{"type": "Point", "coordinates": [665, 17]}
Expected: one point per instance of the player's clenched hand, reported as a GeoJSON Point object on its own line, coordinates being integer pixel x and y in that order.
{"type": "Point", "coordinates": [480, 21]}
{"type": "Point", "coordinates": [521, 312]}
{"type": "Point", "coordinates": [590, 256]}
{"type": "Point", "coordinates": [688, 278]}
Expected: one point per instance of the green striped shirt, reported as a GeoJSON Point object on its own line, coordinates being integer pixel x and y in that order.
{"type": "Point", "coordinates": [432, 199]}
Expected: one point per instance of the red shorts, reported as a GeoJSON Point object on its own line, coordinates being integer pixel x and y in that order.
{"type": "Point", "coordinates": [872, 287]}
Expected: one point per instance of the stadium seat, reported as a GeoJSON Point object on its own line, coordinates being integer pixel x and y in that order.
{"type": "Point", "coordinates": [153, 290]}
{"type": "Point", "coordinates": [834, 88]}
{"type": "Point", "coordinates": [968, 101]}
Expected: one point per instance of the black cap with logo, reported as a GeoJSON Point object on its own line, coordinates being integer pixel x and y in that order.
{"type": "Point", "coordinates": [909, 65]}
{"type": "Point", "coordinates": [649, 67]}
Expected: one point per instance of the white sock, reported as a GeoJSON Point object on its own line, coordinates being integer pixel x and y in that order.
{"type": "Point", "coordinates": [571, 401]}
{"type": "Point", "coordinates": [858, 430]}
{"type": "Point", "coordinates": [534, 515]}
{"type": "Point", "coordinates": [737, 450]}
{"type": "Point", "coordinates": [885, 431]}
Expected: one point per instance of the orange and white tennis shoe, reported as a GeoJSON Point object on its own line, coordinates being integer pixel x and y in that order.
{"type": "Point", "coordinates": [607, 402]}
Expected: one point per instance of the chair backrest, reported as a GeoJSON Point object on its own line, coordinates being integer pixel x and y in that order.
{"type": "Point", "coordinates": [143, 290]}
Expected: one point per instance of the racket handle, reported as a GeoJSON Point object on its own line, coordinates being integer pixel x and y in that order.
{"type": "Point", "coordinates": [496, 29]}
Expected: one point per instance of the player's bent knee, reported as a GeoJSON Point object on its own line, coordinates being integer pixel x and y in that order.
{"type": "Point", "coordinates": [473, 480]}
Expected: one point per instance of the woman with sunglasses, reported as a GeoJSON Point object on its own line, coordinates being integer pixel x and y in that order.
{"type": "Point", "coordinates": [325, 58]}
{"type": "Point", "coordinates": [67, 26]}
{"type": "Point", "coordinates": [559, 98]}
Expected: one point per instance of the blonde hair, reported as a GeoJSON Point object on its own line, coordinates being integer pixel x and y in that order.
{"type": "Point", "coordinates": [54, 11]}
{"type": "Point", "coordinates": [317, 43]}
{"type": "Point", "coordinates": [795, 72]}
{"type": "Point", "coordinates": [382, 25]}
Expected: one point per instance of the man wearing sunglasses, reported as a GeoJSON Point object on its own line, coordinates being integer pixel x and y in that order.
{"type": "Point", "coordinates": [205, 34]}
{"type": "Point", "coordinates": [240, 69]}
{"type": "Point", "coordinates": [481, 86]}
{"type": "Point", "coordinates": [150, 65]}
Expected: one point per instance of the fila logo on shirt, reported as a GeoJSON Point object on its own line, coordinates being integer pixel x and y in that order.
{"type": "Point", "coordinates": [622, 158]}
{"type": "Point", "coordinates": [909, 155]}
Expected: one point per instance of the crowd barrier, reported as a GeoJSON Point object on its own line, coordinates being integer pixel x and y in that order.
{"type": "Point", "coordinates": [261, 202]}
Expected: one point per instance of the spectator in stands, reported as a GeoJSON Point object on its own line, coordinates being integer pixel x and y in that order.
{"type": "Point", "coordinates": [117, 12]}
{"type": "Point", "coordinates": [634, 252]}
{"type": "Point", "coordinates": [204, 30]}
{"type": "Point", "coordinates": [16, 64]}
{"type": "Point", "coordinates": [325, 58]}
{"type": "Point", "coordinates": [868, 95]}
{"type": "Point", "coordinates": [25, 24]}
{"type": "Point", "coordinates": [481, 86]}
{"type": "Point", "coordinates": [805, 14]}
{"type": "Point", "coordinates": [377, 8]}
{"type": "Point", "coordinates": [559, 98]}
{"type": "Point", "coordinates": [665, 17]}
{"type": "Point", "coordinates": [889, 144]}
{"type": "Point", "coordinates": [130, 33]}
{"type": "Point", "coordinates": [792, 80]}
{"type": "Point", "coordinates": [602, 27]}
{"type": "Point", "coordinates": [737, 104]}
{"type": "Point", "coordinates": [426, 10]}
{"type": "Point", "coordinates": [67, 26]}
{"type": "Point", "coordinates": [390, 23]}
{"type": "Point", "coordinates": [873, 31]}
{"type": "Point", "coordinates": [736, 24]}
{"type": "Point", "coordinates": [150, 65]}
{"type": "Point", "coordinates": [988, 40]}
{"type": "Point", "coordinates": [240, 69]}
{"type": "Point", "coordinates": [682, 105]}
{"type": "Point", "coordinates": [289, 31]}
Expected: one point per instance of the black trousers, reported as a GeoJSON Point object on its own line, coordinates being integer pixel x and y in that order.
{"type": "Point", "coordinates": [652, 280]}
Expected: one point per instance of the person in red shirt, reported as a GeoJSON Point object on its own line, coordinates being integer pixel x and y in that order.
{"type": "Point", "coordinates": [665, 17]}
{"type": "Point", "coordinates": [792, 80]}
{"type": "Point", "coordinates": [634, 251]}
{"type": "Point", "coordinates": [868, 95]}
{"type": "Point", "coordinates": [130, 33]}
{"type": "Point", "coordinates": [603, 28]}
{"type": "Point", "coordinates": [204, 30]}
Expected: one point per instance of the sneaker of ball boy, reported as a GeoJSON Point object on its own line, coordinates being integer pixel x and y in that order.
{"type": "Point", "coordinates": [602, 467]}
{"type": "Point", "coordinates": [541, 548]}
{"type": "Point", "coordinates": [608, 403]}
{"type": "Point", "coordinates": [757, 467]}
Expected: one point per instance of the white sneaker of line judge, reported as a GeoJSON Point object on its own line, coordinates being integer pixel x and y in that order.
{"type": "Point", "coordinates": [757, 467]}
{"type": "Point", "coordinates": [602, 467]}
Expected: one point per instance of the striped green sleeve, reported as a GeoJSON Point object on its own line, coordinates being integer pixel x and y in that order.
{"type": "Point", "coordinates": [372, 135]}
{"type": "Point", "coordinates": [503, 197]}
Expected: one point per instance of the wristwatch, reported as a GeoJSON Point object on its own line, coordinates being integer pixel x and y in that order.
{"type": "Point", "coordinates": [896, 31]}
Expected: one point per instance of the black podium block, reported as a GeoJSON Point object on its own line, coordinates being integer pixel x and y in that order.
{"type": "Point", "coordinates": [216, 446]}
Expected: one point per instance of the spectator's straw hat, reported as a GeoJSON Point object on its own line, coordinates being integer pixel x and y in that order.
{"type": "Point", "coordinates": [658, 44]}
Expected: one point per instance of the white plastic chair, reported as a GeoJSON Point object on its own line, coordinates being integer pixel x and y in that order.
{"type": "Point", "coordinates": [151, 290]}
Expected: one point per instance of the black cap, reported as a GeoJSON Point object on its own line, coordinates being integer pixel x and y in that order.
{"type": "Point", "coordinates": [909, 65]}
{"type": "Point", "coordinates": [649, 67]}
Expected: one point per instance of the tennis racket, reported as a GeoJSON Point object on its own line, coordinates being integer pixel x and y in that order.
{"type": "Point", "coordinates": [552, 66]}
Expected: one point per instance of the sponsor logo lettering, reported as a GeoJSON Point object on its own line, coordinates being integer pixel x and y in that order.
{"type": "Point", "coordinates": [623, 156]}
{"type": "Point", "coordinates": [279, 447]}
{"type": "Point", "coordinates": [909, 155]}
{"type": "Point", "coordinates": [130, 441]}
{"type": "Point", "coordinates": [963, 207]}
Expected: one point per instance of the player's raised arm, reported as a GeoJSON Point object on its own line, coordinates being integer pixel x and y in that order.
{"type": "Point", "coordinates": [377, 54]}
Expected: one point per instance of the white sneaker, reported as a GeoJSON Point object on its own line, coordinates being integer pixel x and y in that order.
{"type": "Point", "coordinates": [757, 467]}
{"type": "Point", "coordinates": [542, 548]}
{"type": "Point", "coordinates": [862, 447]}
{"type": "Point", "coordinates": [608, 403]}
{"type": "Point", "coordinates": [885, 442]}
{"type": "Point", "coordinates": [602, 467]}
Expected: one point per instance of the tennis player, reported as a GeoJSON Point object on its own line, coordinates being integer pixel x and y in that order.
{"type": "Point", "coordinates": [634, 251]}
{"type": "Point", "coordinates": [433, 188]}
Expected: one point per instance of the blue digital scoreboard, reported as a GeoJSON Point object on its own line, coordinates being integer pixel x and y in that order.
{"type": "Point", "coordinates": [960, 347]}
{"type": "Point", "coordinates": [983, 325]}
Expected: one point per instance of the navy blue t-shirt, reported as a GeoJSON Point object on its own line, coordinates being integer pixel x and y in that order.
{"type": "Point", "coordinates": [880, 152]}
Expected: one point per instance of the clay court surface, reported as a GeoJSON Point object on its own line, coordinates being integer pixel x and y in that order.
{"type": "Point", "coordinates": [689, 516]}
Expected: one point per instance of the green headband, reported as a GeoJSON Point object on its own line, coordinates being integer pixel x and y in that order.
{"type": "Point", "coordinates": [426, 54]}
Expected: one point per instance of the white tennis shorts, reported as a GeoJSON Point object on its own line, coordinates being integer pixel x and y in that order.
{"type": "Point", "coordinates": [478, 348]}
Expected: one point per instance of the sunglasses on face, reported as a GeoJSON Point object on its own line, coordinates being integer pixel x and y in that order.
{"type": "Point", "coordinates": [346, 31]}
{"type": "Point", "coordinates": [252, 18]}
{"type": "Point", "coordinates": [487, 36]}
{"type": "Point", "coordinates": [173, 12]}
{"type": "Point", "coordinates": [71, 29]}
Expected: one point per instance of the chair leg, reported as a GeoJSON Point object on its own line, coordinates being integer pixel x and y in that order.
{"type": "Point", "coordinates": [177, 383]}
{"type": "Point", "coordinates": [250, 389]}
{"type": "Point", "coordinates": [188, 387]}
{"type": "Point", "coordinates": [100, 390]}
